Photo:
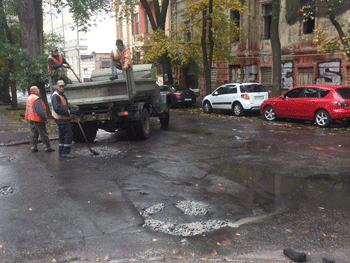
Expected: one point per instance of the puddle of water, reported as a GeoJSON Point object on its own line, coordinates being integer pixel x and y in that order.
{"type": "Point", "coordinates": [272, 192]}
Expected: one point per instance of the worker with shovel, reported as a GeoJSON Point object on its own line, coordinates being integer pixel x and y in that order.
{"type": "Point", "coordinates": [56, 64]}
{"type": "Point", "coordinates": [62, 114]}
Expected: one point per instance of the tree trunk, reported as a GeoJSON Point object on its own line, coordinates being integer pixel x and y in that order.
{"type": "Point", "coordinates": [159, 22]}
{"type": "Point", "coordinates": [6, 89]}
{"type": "Point", "coordinates": [13, 94]}
{"type": "Point", "coordinates": [30, 15]}
{"type": "Point", "coordinates": [276, 48]}
{"type": "Point", "coordinates": [206, 66]}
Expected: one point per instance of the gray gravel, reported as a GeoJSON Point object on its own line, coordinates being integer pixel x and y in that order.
{"type": "Point", "coordinates": [6, 190]}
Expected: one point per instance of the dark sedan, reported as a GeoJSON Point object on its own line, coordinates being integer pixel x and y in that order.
{"type": "Point", "coordinates": [179, 96]}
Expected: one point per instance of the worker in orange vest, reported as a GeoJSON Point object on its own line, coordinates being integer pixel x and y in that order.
{"type": "Point", "coordinates": [36, 116]}
{"type": "Point", "coordinates": [56, 64]}
{"type": "Point", "coordinates": [121, 59]}
{"type": "Point", "coordinates": [62, 114]}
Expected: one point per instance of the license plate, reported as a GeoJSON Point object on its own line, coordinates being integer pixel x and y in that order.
{"type": "Point", "coordinates": [259, 97]}
{"type": "Point", "coordinates": [188, 99]}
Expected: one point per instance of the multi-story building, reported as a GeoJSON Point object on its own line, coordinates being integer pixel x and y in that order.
{"type": "Point", "coordinates": [85, 51]}
{"type": "Point", "coordinates": [302, 62]}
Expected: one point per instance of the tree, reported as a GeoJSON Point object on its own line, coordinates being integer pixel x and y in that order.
{"type": "Point", "coordinates": [276, 48]}
{"type": "Point", "coordinates": [216, 31]}
{"type": "Point", "coordinates": [332, 8]}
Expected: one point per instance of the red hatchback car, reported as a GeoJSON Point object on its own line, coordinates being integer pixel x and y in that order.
{"type": "Point", "coordinates": [321, 103]}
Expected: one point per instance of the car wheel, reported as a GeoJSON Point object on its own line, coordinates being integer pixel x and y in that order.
{"type": "Point", "coordinates": [237, 109]}
{"type": "Point", "coordinates": [322, 118]}
{"type": "Point", "coordinates": [207, 107]}
{"type": "Point", "coordinates": [269, 113]}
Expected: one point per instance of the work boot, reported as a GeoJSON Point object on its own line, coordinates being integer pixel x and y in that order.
{"type": "Point", "coordinates": [49, 150]}
{"type": "Point", "coordinates": [113, 77]}
{"type": "Point", "coordinates": [67, 155]}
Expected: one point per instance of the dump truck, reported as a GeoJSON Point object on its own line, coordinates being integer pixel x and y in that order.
{"type": "Point", "coordinates": [126, 103]}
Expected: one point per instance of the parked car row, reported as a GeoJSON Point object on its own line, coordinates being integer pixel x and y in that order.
{"type": "Point", "coordinates": [319, 103]}
{"type": "Point", "coordinates": [179, 96]}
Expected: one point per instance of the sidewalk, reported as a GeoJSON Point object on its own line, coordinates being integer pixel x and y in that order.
{"type": "Point", "coordinates": [14, 129]}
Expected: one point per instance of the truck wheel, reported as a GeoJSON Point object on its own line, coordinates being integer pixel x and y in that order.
{"type": "Point", "coordinates": [143, 127]}
{"type": "Point", "coordinates": [90, 130]}
{"type": "Point", "coordinates": [164, 120]}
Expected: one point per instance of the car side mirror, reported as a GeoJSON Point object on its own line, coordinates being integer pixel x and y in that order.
{"type": "Point", "coordinates": [283, 96]}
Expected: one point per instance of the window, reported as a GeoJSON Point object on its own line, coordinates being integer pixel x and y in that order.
{"type": "Point", "coordinates": [344, 92]}
{"type": "Point", "coordinates": [187, 33]}
{"type": "Point", "coordinates": [308, 14]}
{"type": "Point", "coordinates": [147, 23]}
{"type": "Point", "coordinates": [252, 88]}
{"type": "Point", "coordinates": [311, 93]}
{"type": "Point", "coordinates": [235, 17]}
{"type": "Point", "coordinates": [233, 90]}
{"type": "Point", "coordinates": [294, 93]}
{"type": "Point", "coordinates": [222, 90]}
{"type": "Point", "coordinates": [136, 24]}
{"type": "Point", "coordinates": [267, 15]}
{"type": "Point", "coordinates": [121, 28]}
{"type": "Point", "coordinates": [137, 58]}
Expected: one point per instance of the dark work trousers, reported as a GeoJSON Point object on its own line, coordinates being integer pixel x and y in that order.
{"type": "Point", "coordinates": [65, 136]}
{"type": "Point", "coordinates": [36, 129]}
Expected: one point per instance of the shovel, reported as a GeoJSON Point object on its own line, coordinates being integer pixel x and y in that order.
{"type": "Point", "coordinates": [87, 142]}
{"type": "Point", "coordinates": [76, 75]}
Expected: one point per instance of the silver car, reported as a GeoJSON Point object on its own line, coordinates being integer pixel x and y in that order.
{"type": "Point", "coordinates": [236, 97]}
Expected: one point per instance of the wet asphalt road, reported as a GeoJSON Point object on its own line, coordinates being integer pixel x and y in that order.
{"type": "Point", "coordinates": [264, 187]}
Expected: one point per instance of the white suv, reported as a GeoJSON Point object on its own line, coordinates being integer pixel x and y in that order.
{"type": "Point", "coordinates": [237, 97]}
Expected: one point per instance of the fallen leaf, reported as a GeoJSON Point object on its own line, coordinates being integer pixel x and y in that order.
{"type": "Point", "coordinates": [0, 246]}
{"type": "Point", "coordinates": [138, 156]}
{"type": "Point", "coordinates": [305, 232]}
{"type": "Point", "coordinates": [30, 209]}
{"type": "Point", "coordinates": [106, 258]}
{"type": "Point", "coordinates": [324, 234]}
{"type": "Point", "coordinates": [288, 230]}
{"type": "Point", "coordinates": [237, 234]}
{"type": "Point", "coordinates": [218, 243]}
{"type": "Point", "coordinates": [274, 227]}
{"type": "Point", "coordinates": [334, 236]}
{"type": "Point", "coordinates": [214, 253]}
{"type": "Point", "coordinates": [321, 208]}
{"type": "Point", "coordinates": [53, 260]}
{"type": "Point", "coordinates": [220, 185]}
{"type": "Point", "coordinates": [97, 259]}
{"type": "Point", "coordinates": [154, 239]}
{"type": "Point", "coordinates": [226, 242]}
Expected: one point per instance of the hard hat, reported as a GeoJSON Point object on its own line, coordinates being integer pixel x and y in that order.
{"type": "Point", "coordinates": [60, 83]}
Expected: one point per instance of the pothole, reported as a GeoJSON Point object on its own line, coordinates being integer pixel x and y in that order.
{"type": "Point", "coordinates": [192, 208]}
{"type": "Point", "coordinates": [6, 190]}
{"type": "Point", "coordinates": [192, 228]}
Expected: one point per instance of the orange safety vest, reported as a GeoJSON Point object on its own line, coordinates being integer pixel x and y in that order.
{"type": "Point", "coordinates": [64, 105]}
{"type": "Point", "coordinates": [31, 113]}
{"type": "Point", "coordinates": [122, 57]}
{"type": "Point", "coordinates": [60, 61]}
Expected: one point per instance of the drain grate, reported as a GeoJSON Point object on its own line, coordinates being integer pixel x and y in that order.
{"type": "Point", "coordinates": [6, 190]}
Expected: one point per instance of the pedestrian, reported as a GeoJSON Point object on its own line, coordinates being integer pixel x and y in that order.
{"type": "Point", "coordinates": [56, 65]}
{"type": "Point", "coordinates": [62, 114]}
{"type": "Point", "coordinates": [121, 59]}
{"type": "Point", "coordinates": [36, 116]}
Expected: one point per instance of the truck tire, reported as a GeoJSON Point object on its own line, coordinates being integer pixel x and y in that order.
{"type": "Point", "coordinates": [164, 120]}
{"type": "Point", "coordinates": [90, 130]}
{"type": "Point", "coordinates": [143, 126]}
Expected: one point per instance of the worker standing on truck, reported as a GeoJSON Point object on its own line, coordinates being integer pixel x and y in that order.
{"type": "Point", "coordinates": [62, 114]}
{"type": "Point", "coordinates": [56, 64]}
{"type": "Point", "coordinates": [36, 116]}
{"type": "Point", "coordinates": [121, 59]}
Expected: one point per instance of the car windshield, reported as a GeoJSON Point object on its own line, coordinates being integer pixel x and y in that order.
{"type": "Point", "coordinates": [344, 92]}
{"type": "Point", "coordinates": [252, 88]}
{"type": "Point", "coordinates": [178, 88]}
